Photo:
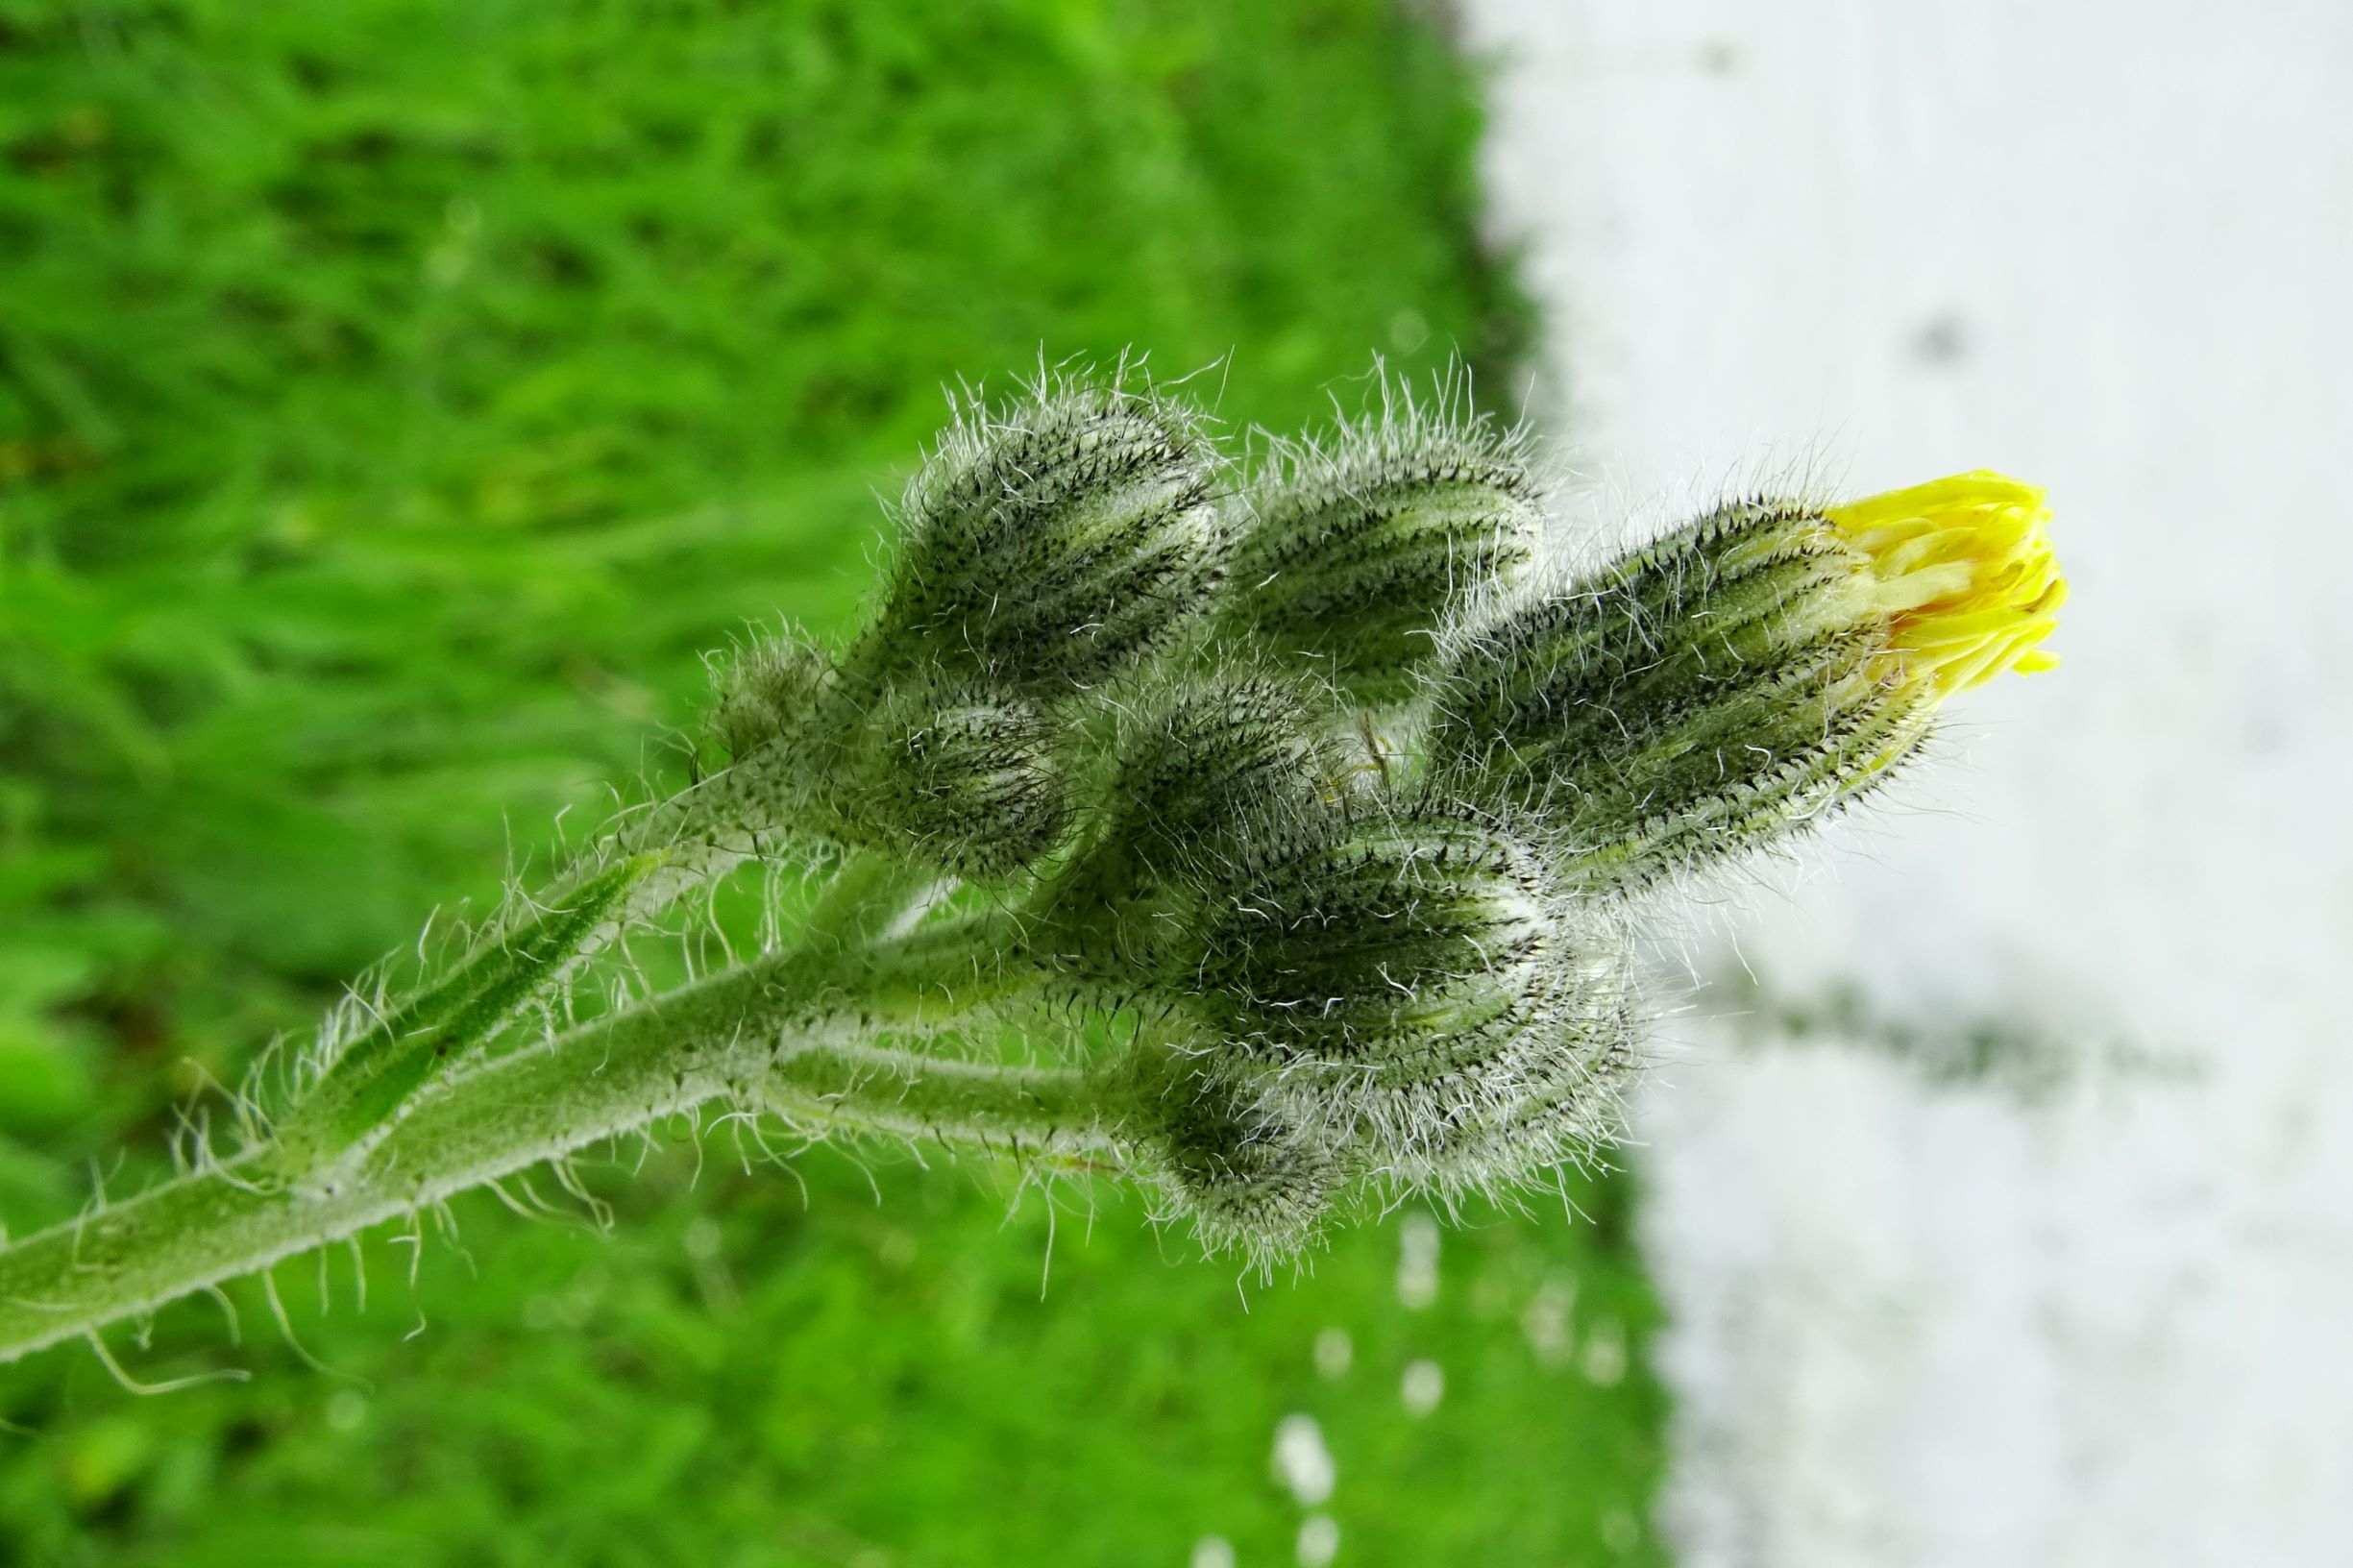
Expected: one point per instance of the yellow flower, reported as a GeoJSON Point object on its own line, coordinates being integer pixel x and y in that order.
{"type": "Point", "coordinates": [1964, 569]}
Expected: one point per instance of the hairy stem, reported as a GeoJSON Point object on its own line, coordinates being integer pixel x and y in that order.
{"type": "Point", "coordinates": [871, 896]}
{"type": "Point", "coordinates": [676, 845]}
{"type": "Point", "coordinates": [784, 1034]}
{"type": "Point", "coordinates": [358, 1090]}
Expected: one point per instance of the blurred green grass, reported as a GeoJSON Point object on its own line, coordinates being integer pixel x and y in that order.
{"type": "Point", "coordinates": [396, 398]}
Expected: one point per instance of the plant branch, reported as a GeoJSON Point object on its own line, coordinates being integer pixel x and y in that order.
{"type": "Point", "coordinates": [787, 1032]}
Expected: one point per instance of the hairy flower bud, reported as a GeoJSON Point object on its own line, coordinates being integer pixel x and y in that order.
{"type": "Point", "coordinates": [1050, 544]}
{"type": "Point", "coordinates": [1199, 774]}
{"type": "Point", "coordinates": [973, 786]}
{"type": "Point", "coordinates": [776, 690]}
{"type": "Point", "coordinates": [1746, 674]}
{"type": "Point", "coordinates": [1355, 551]}
{"type": "Point", "coordinates": [1549, 1095]}
{"type": "Point", "coordinates": [1411, 982]}
{"type": "Point", "coordinates": [935, 770]}
{"type": "Point", "coordinates": [1250, 1179]}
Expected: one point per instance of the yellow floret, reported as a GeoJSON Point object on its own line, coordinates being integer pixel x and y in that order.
{"type": "Point", "coordinates": [1964, 569]}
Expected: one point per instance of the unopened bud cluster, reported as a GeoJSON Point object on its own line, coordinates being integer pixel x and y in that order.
{"type": "Point", "coordinates": [1270, 831]}
{"type": "Point", "coordinates": [1312, 772]}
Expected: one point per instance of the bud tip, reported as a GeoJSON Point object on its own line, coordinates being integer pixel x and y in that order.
{"type": "Point", "coordinates": [1966, 575]}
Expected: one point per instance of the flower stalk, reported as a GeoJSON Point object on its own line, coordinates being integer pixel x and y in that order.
{"type": "Point", "coordinates": [790, 1035]}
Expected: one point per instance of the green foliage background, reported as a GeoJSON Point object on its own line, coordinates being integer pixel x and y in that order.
{"type": "Point", "coordinates": [394, 399]}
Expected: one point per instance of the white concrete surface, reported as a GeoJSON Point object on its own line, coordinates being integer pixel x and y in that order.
{"type": "Point", "coordinates": [2106, 245]}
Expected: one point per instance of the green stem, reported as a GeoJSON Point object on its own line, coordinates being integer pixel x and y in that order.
{"type": "Point", "coordinates": [867, 898]}
{"type": "Point", "coordinates": [782, 1034]}
{"type": "Point", "coordinates": [687, 842]}
{"type": "Point", "coordinates": [440, 1026]}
